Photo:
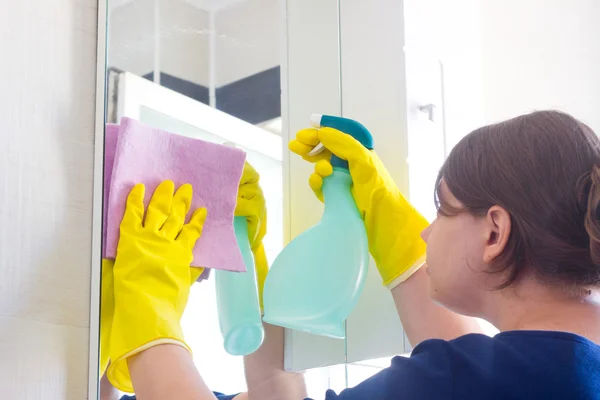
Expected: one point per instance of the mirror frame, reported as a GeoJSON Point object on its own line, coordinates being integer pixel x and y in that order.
{"type": "Point", "coordinates": [96, 253]}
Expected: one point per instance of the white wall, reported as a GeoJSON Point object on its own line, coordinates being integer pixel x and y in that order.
{"type": "Point", "coordinates": [450, 31]}
{"type": "Point", "coordinates": [541, 54]}
{"type": "Point", "coordinates": [46, 136]}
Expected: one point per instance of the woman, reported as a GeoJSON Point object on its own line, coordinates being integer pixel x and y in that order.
{"type": "Point", "coordinates": [516, 242]}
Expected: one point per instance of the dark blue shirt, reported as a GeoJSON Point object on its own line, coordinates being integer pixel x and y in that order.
{"type": "Point", "coordinates": [527, 365]}
{"type": "Point", "coordinates": [511, 365]}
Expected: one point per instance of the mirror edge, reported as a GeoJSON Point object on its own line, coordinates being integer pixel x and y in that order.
{"type": "Point", "coordinates": [96, 245]}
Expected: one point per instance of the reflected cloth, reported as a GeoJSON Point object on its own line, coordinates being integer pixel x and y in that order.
{"type": "Point", "coordinates": [148, 155]}
{"type": "Point", "coordinates": [220, 396]}
{"type": "Point", "coordinates": [529, 365]}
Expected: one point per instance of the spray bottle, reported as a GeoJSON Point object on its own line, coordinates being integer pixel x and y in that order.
{"type": "Point", "coordinates": [237, 299]}
{"type": "Point", "coordinates": [315, 282]}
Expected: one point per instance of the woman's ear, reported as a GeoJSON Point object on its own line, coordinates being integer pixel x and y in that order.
{"type": "Point", "coordinates": [498, 226]}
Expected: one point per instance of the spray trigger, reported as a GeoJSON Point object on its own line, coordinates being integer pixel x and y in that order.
{"type": "Point", "coordinates": [317, 150]}
{"type": "Point", "coordinates": [315, 122]}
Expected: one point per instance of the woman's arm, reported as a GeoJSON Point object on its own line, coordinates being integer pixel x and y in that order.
{"type": "Point", "coordinates": [422, 318]}
{"type": "Point", "coordinates": [167, 372]}
{"type": "Point", "coordinates": [265, 376]}
{"type": "Point", "coordinates": [107, 391]}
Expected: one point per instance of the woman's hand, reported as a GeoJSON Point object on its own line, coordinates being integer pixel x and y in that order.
{"type": "Point", "coordinates": [152, 275]}
{"type": "Point", "coordinates": [393, 225]}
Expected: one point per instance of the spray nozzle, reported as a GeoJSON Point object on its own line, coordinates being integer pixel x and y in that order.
{"type": "Point", "coordinates": [346, 125]}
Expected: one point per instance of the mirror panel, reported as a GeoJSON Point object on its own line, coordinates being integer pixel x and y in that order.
{"type": "Point", "coordinates": [209, 70]}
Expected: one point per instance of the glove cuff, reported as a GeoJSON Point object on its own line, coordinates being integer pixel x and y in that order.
{"type": "Point", "coordinates": [403, 276]}
{"type": "Point", "coordinates": [118, 370]}
{"type": "Point", "coordinates": [150, 324]}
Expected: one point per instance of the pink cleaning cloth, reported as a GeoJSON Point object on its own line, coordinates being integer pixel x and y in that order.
{"type": "Point", "coordinates": [148, 155]}
{"type": "Point", "coordinates": [111, 133]}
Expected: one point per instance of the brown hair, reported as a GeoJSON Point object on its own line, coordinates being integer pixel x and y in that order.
{"type": "Point", "coordinates": [543, 168]}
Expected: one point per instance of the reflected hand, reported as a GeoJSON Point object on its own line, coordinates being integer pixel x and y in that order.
{"type": "Point", "coordinates": [393, 225]}
{"type": "Point", "coordinates": [152, 275]}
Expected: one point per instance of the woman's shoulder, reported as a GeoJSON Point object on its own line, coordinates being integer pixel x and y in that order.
{"type": "Point", "coordinates": [509, 365]}
{"type": "Point", "coordinates": [512, 362]}
{"type": "Point", "coordinates": [506, 345]}
{"type": "Point", "coordinates": [440, 349]}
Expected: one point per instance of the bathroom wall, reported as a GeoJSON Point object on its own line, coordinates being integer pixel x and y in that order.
{"type": "Point", "coordinates": [46, 136]}
{"type": "Point", "coordinates": [541, 54]}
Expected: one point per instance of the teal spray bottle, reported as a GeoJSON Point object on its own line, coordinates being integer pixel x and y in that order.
{"type": "Point", "coordinates": [315, 282]}
{"type": "Point", "coordinates": [237, 299]}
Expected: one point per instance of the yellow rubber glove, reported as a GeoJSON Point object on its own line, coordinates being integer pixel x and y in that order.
{"type": "Point", "coordinates": [393, 225]}
{"type": "Point", "coordinates": [251, 204]}
{"type": "Point", "coordinates": [107, 310]}
{"type": "Point", "coordinates": [152, 275]}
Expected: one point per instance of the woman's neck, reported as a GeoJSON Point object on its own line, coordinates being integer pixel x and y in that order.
{"type": "Point", "coordinates": [529, 305]}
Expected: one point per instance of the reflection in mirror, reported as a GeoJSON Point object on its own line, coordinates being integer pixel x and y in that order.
{"type": "Point", "coordinates": [204, 69]}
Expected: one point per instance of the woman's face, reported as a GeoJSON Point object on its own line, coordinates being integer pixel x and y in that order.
{"type": "Point", "coordinates": [456, 248]}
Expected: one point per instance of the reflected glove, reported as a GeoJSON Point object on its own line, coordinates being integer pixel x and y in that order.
{"type": "Point", "coordinates": [393, 225]}
{"type": "Point", "coordinates": [107, 310]}
{"type": "Point", "coordinates": [262, 269]}
{"type": "Point", "coordinates": [152, 275]}
{"type": "Point", "coordinates": [251, 204]}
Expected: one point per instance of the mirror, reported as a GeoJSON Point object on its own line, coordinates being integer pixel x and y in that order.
{"type": "Point", "coordinates": [209, 70]}
{"type": "Point", "coordinates": [250, 72]}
